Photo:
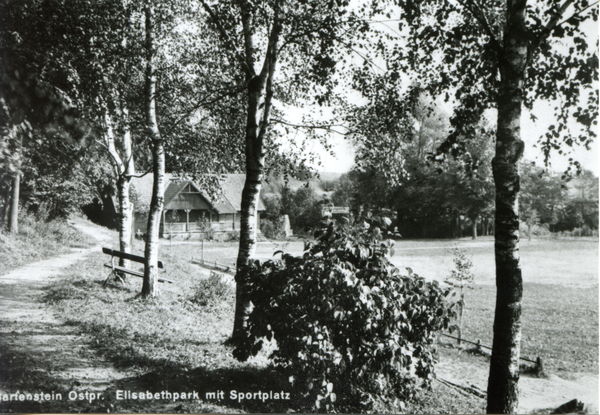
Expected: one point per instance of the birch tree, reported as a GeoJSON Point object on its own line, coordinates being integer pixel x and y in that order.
{"type": "Point", "coordinates": [106, 63]}
{"type": "Point", "coordinates": [149, 288]}
{"type": "Point", "coordinates": [284, 49]}
{"type": "Point", "coordinates": [505, 55]}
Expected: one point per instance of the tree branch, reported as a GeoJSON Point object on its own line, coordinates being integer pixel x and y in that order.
{"type": "Point", "coordinates": [110, 145]}
{"type": "Point", "coordinates": [316, 127]}
{"type": "Point", "coordinates": [577, 13]}
{"type": "Point", "coordinates": [546, 31]}
{"type": "Point", "coordinates": [205, 102]}
{"type": "Point", "coordinates": [268, 69]}
{"type": "Point", "coordinates": [247, 22]}
{"type": "Point", "coordinates": [142, 174]}
{"type": "Point", "coordinates": [226, 38]}
{"type": "Point", "coordinates": [477, 12]}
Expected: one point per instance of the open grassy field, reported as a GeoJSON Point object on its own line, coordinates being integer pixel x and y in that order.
{"type": "Point", "coordinates": [176, 340]}
{"type": "Point", "coordinates": [567, 262]}
{"type": "Point", "coordinates": [560, 304]}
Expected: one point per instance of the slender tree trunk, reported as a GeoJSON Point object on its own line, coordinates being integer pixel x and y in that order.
{"type": "Point", "coordinates": [126, 207]}
{"type": "Point", "coordinates": [124, 169]}
{"type": "Point", "coordinates": [456, 226]}
{"type": "Point", "coordinates": [125, 216]}
{"type": "Point", "coordinates": [260, 97]}
{"type": "Point", "coordinates": [247, 248]}
{"type": "Point", "coordinates": [504, 364]}
{"type": "Point", "coordinates": [255, 156]}
{"type": "Point", "coordinates": [126, 223]}
{"type": "Point", "coordinates": [5, 207]}
{"type": "Point", "coordinates": [15, 186]}
{"type": "Point", "coordinates": [474, 228]}
{"type": "Point", "coordinates": [13, 221]}
{"type": "Point", "coordinates": [149, 286]}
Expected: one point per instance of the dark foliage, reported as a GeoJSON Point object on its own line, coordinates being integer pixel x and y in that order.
{"type": "Point", "coordinates": [352, 331]}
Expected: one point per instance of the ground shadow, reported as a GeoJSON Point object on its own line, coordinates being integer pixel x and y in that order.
{"type": "Point", "coordinates": [244, 388]}
{"type": "Point", "coordinates": [32, 375]}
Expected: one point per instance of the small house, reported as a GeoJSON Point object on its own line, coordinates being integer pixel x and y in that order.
{"type": "Point", "coordinates": [189, 212]}
{"type": "Point", "coordinates": [329, 210]}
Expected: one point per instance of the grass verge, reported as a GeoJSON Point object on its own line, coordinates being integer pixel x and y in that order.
{"type": "Point", "coordinates": [560, 324]}
{"type": "Point", "coordinates": [37, 240]}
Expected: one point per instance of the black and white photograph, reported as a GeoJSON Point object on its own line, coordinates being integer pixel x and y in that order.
{"type": "Point", "coordinates": [299, 206]}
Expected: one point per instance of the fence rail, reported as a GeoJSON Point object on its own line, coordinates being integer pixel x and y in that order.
{"type": "Point", "coordinates": [214, 266]}
{"type": "Point", "coordinates": [478, 344]}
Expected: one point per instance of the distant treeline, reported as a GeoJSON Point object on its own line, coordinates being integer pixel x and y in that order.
{"type": "Point", "coordinates": [442, 204]}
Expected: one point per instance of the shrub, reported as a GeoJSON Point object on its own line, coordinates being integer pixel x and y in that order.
{"type": "Point", "coordinates": [535, 230]}
{"type": "Point", "coordinates": [349, 327]}
{"type": "Point", "coordinates": [272, 229]}
{"type": "Point", "coordinates": [212, 291]}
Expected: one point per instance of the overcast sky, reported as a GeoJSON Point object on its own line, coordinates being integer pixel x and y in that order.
{"type": "Point", "coordinates": [531, 132]}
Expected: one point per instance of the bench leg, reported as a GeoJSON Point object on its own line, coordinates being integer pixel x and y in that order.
{"type": "Point", "coordinates": [117, 277]}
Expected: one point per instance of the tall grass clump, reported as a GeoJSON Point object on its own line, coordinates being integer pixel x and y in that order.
{"type": "Point", "coordinates": [213, 292]}
{"type": "Point", "coordinates": [37, 240]}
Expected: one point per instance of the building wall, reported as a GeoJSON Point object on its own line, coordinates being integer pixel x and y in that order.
{"type": "Point", "coordinates": [224, 223]}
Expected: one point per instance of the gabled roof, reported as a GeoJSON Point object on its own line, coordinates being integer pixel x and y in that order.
{"type": "Point", "coordinates": [174, 187]}
{"type": "Point", "coordinates": [231, 186]}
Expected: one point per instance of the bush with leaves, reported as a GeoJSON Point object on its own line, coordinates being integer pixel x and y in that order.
{"type": "Point", "coordinates": [212, 292]}
{"type": "Point", "coordinates": [351, 330]}
{"type": "Point", "coordinates": [273, 229]}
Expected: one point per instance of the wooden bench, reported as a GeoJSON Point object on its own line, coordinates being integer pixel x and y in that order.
{"type": "Point", "coordinates": [135, 258]}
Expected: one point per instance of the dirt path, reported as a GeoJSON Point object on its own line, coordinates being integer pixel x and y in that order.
{"type": "Point", "coordinates": [537, 395]}
{"type": "Point", "coordinates": [37, 350]}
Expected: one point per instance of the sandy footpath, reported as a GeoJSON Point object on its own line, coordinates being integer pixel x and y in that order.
{"type": "Point", "coordinates": [29, 328]}
{"type": "Point", "coordinates": [536, 394]}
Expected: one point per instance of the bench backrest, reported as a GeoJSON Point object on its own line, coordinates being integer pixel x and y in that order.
{"type": "Point", "coordinates": [130, 257]}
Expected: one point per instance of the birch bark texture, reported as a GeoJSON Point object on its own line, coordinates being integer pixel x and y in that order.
{"type": "Point", "coordinates": [150, 281]}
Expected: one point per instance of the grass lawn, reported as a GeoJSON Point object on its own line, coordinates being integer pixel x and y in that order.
{"type": "Point", "coordinates": [176, 340]}
{"type": "Point", "coordinates": [560, 324]}
{"type": "Point", "coordinates": [572, 262]}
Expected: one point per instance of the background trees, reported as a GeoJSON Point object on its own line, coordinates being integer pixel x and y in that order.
{"type": "Point", "coordinates": [397, 136]}
{"type": "Point", "coordinates": [39, 120]}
